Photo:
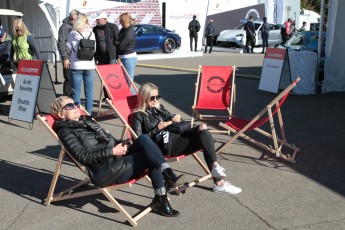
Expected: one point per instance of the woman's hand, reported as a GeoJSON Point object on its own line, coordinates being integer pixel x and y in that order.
{"type": "Point", "coordinates": [119, 150]}
{"type": "Point", "coordinates": [176, 118]}
{"type": "Point", "coordinates": [164, 124]}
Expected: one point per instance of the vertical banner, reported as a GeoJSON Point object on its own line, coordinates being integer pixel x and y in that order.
{"type": "Point", "coordinates": [25, 90]}
{"type": "Point", "coordinates": [272, 69]}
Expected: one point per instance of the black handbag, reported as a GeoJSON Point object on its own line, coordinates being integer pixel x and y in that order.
{"type": "Point", "coordinates": [179, 127]}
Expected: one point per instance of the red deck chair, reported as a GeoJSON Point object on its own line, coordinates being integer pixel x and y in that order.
{"type": "Point", "coordinates": [123, 103]}
{"type": "Point", "coordinates": [116, 78]}
{"type": "Point", "coordinates": [239, 126]}
{"type": "Point", "coordinates": [47, 121]}
{"type": "Point", "coordinates": [214, 90]}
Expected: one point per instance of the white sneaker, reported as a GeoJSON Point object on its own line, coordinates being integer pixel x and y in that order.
{"type": "Point", "coordinates": [227, 188]}
{"type": "Point", "coordinates": [218, 172]}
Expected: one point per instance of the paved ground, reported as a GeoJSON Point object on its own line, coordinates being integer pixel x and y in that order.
{"type": "Point", "coordinates": [276, 194]}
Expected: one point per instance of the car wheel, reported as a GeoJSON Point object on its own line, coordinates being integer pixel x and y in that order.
{"type": "Point", "coordinates": [169, 45]}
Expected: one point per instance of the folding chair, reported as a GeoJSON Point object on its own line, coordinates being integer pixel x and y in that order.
{"type": "Point", "coordinates": [122, 102]}
{"type": "Point", "coordinates": [117, 79]}
{"type": "Point", "coordinates": [239, 126]}
{"type": "Point", "coordinates": [215, 89]}
{"type": "Point", "coordinates": [47, 121]}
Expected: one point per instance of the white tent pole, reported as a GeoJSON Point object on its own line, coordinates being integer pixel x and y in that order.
{"type": "Point", "coordinates": [319, 47]}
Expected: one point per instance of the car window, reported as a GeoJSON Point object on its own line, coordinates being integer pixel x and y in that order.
{"type": "Point", "coordinates": [297, 40]}
{"type": "Point", "coordinates": [159, 30]}
{"type": "Point", "coordinates": [257, 25]}
{"type": "Point", "coordinates": [148, 30]}
{"type": "Point", "coordinates": [240, 27]}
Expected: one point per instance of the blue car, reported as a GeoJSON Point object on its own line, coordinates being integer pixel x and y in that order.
{"type": "Point", "coordinates": [152, 38]}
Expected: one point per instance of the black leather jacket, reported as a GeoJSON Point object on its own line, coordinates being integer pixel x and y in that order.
{"type": "Point", "coordinates": [92, 146]}
{"type": "Point", "coordinates": [148, 124]}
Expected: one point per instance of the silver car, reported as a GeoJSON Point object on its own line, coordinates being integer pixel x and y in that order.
{"type": "Point", "coordinates": [237, 36]}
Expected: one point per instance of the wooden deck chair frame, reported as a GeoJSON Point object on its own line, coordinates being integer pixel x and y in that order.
{"type": "Point", "coordinates": [128, 131]}
{"type": "Point", "coordinates": [70, 193]}
{"type": "Point", "coordinates": [272, 109]}
{"type": "Point", "coordinates": [119, 71]}
{"type": "Point", "coordinates": [197, 115]}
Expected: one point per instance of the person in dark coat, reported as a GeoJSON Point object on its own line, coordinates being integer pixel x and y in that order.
{"type": "Point", "coordinates": [209, 35]}
{"type": "Point", "coordinates": [193, 27]}
{"type": "Point", "coordinates": [109, 160]}
{"type": "Point", "coordinates": [250, 34]}
{"type": "Point", "coordinates": [265, 30]}
{"type": "Point", "coordinates": [65, 28]}
{"type": "Point", "coordinates": [151, 118]}
{"type": "Point", "coordinates": [106, 35]}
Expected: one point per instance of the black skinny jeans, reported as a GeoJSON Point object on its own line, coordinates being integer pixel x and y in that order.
{"type": "Point", "coordinates": [144, 154]}
{"type": "Point", "coordinates": [194, 140]}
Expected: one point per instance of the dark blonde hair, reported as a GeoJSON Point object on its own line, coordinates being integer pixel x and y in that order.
{"type": "Point", "coordinates": [56, 107]}
{"type": "Point", "coordinates": [20, 24]}
{"type": "Point", "coordinates": [126, 18]}
{"type": "Point", "coordinates": [144, 93]}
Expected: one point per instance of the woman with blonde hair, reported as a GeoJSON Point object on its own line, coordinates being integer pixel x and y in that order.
{"type": "Point", "coordinates": [82, 71]}
{"type": "Point", "coordinates": [109, 160]}
{"type": "Point", "coordinates": [126, 44]}
{"type": "Point", "coordinates": [151, 118]}
{"type": "Point", "coordinates": [23, 42]}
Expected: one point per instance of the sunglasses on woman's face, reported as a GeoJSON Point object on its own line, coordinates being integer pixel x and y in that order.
{"type": "Point", "coordinates": [152, 98]}
{"type": "Point", "coordinates": [70, 106]}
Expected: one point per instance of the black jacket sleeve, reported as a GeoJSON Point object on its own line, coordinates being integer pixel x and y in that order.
{"type": "Point", "coordinates": [33, 47]}
{"type": "Point", "coordinates": [76, 147]}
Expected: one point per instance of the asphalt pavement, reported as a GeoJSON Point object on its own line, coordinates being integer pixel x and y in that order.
{"type": "Point", "coordinates": [276, 194]}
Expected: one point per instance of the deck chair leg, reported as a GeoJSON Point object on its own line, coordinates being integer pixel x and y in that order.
{"type": "Point", "coordinates": [119, 207]}
{"type": "Point", "coordinates": [100, 100]}
{"type": "Point", "coordinates": [55, 177]}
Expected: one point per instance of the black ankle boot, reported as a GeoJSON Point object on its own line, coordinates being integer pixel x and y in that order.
{"type": "Point", "coordinates": [171, 180]}
{"type": "Point", "coordinates": [161, 205]}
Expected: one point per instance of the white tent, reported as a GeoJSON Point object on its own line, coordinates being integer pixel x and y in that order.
{"type": "Point", "coordinates": [334, 76]}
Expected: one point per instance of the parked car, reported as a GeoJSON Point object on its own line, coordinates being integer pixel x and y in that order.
{"type": "Point", "coordinates": [306, 40]}
{"type": "Point", "coordinates": [152, 38]}
{"type": "Point", "coordinates": [237, 36]}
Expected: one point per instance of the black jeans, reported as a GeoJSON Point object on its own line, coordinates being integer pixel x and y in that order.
{"type": "Point", "coordinates": [250, 39]}
{"type": "Point", "coordinates": [264, 37]}
{"type": "Point", "coordinates": [144, 154]}
{"type": "Point", "coordinates": [67, 85]}
{"type": "Point", "coordinates": [209, 41]}
{"type": "Point", "coordinates": [194, 140]}
{"type": "Point", "coordinates": [193, 35]}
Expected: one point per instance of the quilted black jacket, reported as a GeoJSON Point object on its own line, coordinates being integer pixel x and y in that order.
{"type": "Point", "coordinates": [92, 146]}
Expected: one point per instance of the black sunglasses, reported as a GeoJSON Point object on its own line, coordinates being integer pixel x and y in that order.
{"type": "Point", "coordinates": [152, 98]}
{"type": "Point", "coordinates": [71, 106]}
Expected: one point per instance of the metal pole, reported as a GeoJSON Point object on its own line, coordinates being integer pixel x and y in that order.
{"type": "Point", "coordinates": [319, 47]}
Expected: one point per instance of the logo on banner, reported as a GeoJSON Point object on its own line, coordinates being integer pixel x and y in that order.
{"type": "Point", "coordinates": [215, 84]}
{"type": "Point", "coordinates": [114, 81]}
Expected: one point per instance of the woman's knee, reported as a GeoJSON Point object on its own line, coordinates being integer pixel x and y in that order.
{"type": "Point", "coordinates": [202, 127]}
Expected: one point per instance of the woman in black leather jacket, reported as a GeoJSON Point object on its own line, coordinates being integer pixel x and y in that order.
{"type": "Point", "coordinates": [109, 160]}
{"type": "Point", "coordinates": [150, 117]}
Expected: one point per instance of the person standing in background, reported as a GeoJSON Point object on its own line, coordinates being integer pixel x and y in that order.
{"type": "Point", "coordinates": [23, 42]}
{"type": "Point", "coordinates": [5, 50]}
{"type": "Point", "coordinates": [284, 30]}
{"type": "Point", "coordinates": [125, 46]}
{"type": "Point", "coordinates": [106, 35]}
{"type": "Point", "coordinates": [265, 30]}
{"type": "Point", "coordinates": [303, 27]}
{"type": "Point", "coordinates": [209, 35]}
{"type": "Point", "coordinates": [81, 70]}
{"type": "Point", "coordinates": [250, 34]}
{"type": "Point", "coordinates": [194, 28]}
{"type": "Point", "coordinates": [65, 28]}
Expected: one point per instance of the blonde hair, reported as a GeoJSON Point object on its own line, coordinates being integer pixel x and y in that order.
{"type": "Point", "coordinates": [81, 23]}
{"type": "Point", "coordinates": [144, 93]}
{"type": "Point", "coordinates": [20, 24]}
{"type": "Point", "coordinates": [126, 18]}
{"type": "Point", "coordinates": [56, 107]}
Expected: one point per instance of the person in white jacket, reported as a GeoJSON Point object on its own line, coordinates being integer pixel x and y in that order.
{"type": "Point", "coordinates": [82, 71]}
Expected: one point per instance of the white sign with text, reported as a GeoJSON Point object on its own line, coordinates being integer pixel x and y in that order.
{"type": "Point", "coordinates": [25, 90]}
